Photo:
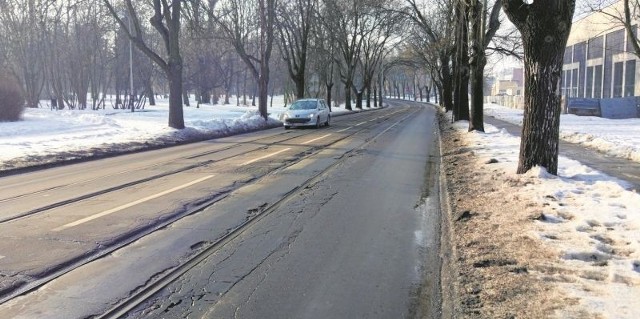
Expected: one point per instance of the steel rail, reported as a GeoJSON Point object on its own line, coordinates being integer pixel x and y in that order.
{"type": "Point", "coordinates": [139, 297]}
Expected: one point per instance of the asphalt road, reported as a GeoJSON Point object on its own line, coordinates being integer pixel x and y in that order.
{"type": "Point", "coordinates": [340, 222]}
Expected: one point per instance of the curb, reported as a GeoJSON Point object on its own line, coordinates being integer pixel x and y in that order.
{"type": "Point", "coordinates": [448, 285]}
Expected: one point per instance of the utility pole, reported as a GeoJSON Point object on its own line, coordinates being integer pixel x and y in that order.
{"type": "Point", "coordinates": [131, 94]}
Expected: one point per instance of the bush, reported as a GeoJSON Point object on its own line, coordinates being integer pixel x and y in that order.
{"type": "Point", "coordinates": [11, 100]}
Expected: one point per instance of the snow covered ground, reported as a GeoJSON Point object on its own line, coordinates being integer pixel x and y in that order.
{"type": "Point", "coordinates": [620, 138]}
{"type": "Point", "coordinates": [592, 219]}
{"type": "Point", "coordinates": [44, 135]}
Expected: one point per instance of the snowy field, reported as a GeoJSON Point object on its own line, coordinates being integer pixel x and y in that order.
{"type": "Point", "coordinates": [45, 133]}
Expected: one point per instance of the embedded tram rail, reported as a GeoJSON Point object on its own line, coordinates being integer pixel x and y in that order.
{"type": "Point", "coordinates": [281, 138]}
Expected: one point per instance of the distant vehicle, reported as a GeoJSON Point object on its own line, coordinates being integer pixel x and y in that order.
{"type": "Point", "coordinates": [307, 112]}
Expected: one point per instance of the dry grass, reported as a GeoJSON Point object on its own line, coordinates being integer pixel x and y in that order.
{"type": "Point", "coordinates": [497, 257]}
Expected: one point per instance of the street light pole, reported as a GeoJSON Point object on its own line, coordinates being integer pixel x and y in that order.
{"type": "Point", "coordinates": [131, 95]}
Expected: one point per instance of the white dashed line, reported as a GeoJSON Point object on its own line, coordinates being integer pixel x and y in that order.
{"type": "Point", "coordinates": [315, 139]}
{"type": "Point", "coordinates": [119, 208]}
{"type": "Point", "coordinates": [263, 157]}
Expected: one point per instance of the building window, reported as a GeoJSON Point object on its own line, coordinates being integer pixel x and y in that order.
{"type": "Point", "coordinates": [615, 42]}
{"type": "Point", "coordinates": [597, 82]}
{"type": "Point", "coordinates": [568, 53]}
{"type": "Point", "coordinates": [617, 79]}
{"type": "Point", "coordinates": [630, 78]}
{"type": "Point", "coordinates": [595, 47]}
{"type": "Point", "coordinates": [589, 86]}
{"type": "Point", "coordinates": [574, 83]}
{"type": "Point", "coordinates": [634, 30]}
{"type": "Point", "coordinates": [580, 56]}
{"type": "Point", "coordinates": [564, 83]}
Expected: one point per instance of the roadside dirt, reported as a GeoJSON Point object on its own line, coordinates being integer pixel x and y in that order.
{"type": "Point", "coordinates": [495, 260]}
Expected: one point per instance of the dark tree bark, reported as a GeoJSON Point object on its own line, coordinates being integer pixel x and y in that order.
{"type": "Point", "coordinates": [149, 92]}
{"type": "Point", "coordinates": [185, 97]}
{"type": "Point", "coordinates": [380, 90]}
{"type": "Point", "coordinates": [329, 88]}
{"type": "Point", "coordinates": [347, 96]}
{"type": "Point", "coordinates": [358, 94]}
{"type": "Point", "coordinates": [446, 95]}
{"type": "Point", "coordinates": [461, 66]}
{"type": "Point", "coordinates": [544, 26]}
{"type": "Point", "coordinates": [479, 43]}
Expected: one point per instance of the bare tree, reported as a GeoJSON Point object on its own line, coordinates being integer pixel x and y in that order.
{"type": "Point", "coordinates": [544, 26]}
{"type": "Point", "coordinates": [383, 24]}
{"type": "Point", "coordinates": [296, 19]}
{"type": "Point", "coordinates": [23, 44]}
{"type": "Point", "coordinates": [345, 25]}
{"type": "Point", "coordinates": [436, 25]}
{"type": "Point", "coordinates": [625, 14]}
{"type": "Point", "coordinates": [248, 26]}
{"type": "Point", "coordinates": [166, 21]}
{"type": "Point", "coordinates": [324, 51]}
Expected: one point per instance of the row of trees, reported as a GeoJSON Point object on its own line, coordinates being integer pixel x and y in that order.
{"type": "Point", "coordinates": [454, 37]}
{"type": "Point", "coordinates": [73, 49]}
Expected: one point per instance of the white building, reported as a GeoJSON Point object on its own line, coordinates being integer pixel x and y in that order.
{"type": "Point", "coordinates": [599, 61]}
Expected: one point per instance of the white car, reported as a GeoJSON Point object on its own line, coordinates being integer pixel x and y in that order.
{"type": "Point", "coordinates": [307, 112]}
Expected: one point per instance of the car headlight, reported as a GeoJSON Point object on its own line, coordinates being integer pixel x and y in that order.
{"type": "Point", "coordinates": [312, 115]}
{"type": "Point", "coordinates": [285, 116]}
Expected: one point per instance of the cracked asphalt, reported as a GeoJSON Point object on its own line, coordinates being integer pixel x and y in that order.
{"type": "Point", "coordinates": [362, 242]}
{"type": "Point", "coordinates": [348, 227]}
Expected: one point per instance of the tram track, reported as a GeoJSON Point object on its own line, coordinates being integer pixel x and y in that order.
{"type": "Point", "coordinates": [160, 282]}
{"type": "Point", "coordinates": [199, 205]}
{"type": "Point", "coordinates": [119, 187]}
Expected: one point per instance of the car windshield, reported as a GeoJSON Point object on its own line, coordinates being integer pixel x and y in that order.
{"type": "Point", "coordinates": [304, 105]}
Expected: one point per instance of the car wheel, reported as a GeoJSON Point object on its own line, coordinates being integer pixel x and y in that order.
{"type": "Point", "coordinates": [318, 122]}
{"type": "Point", "coordinates": [287, 127]}
{"type": "Point", "coordinates": [328, 120]}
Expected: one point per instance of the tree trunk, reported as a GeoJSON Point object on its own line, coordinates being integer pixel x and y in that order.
{"type": "Point", "coordinates": [185, 97]}
{"type": "Point", "coordinates": [347, 96]}
{"type": "Point", "coordinates": [461, 68]}
{"type": "Point", "coordinates": [446, 95]}
{"type": "Point", "coordinates": [263, 88]}
{"type": "Point", "coordinates": [359, 99]}
{"type": "Point", "coordinates": [478, 61]}
{"type": "Point", "coordinates": [299, 82]}
{"type": "Point", "coordinates": [176, 116]}
{"type": "Point", "coordinates": [544, 26]}
{"type": "Point", "coordinates": [375, 96]}
{"type": "Point", "coordinates": [329, 88]}
{"type": "Point", "coordinates": [476, 116]}
{"type": "Point", "coordinates": [149, 92]}
{"type": "Point", "coordinates": [380, 90]}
